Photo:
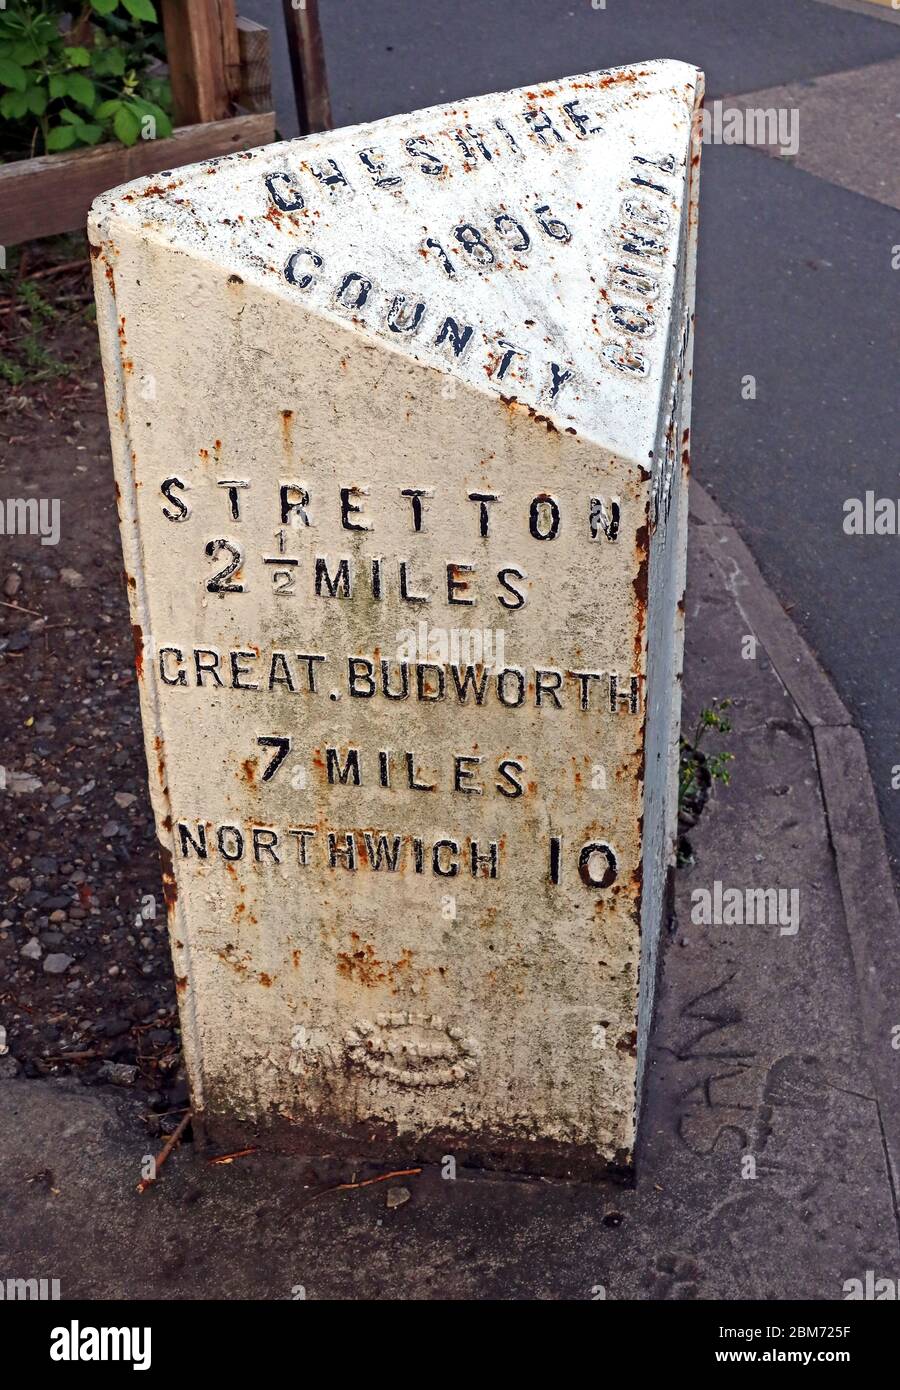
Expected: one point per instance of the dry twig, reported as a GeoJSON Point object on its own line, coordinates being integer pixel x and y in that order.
{"type": "Point", "coordinates": [166, 1150]}
{"type": "Point", "coordinates": [366, 1182]}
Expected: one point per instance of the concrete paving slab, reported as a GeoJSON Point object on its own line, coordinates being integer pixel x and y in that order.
{"type": "Point", "coordinates": [881, 9]}
{"type": "Point", "coordinates": [848, 127]}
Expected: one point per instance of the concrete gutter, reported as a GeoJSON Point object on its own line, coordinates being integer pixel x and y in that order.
{"type": "Point", "coordinates": [857, 839]}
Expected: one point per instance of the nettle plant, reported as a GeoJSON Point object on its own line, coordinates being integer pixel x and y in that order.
{"type": "Point", "coordinates": [694, 763]}
{"type": "Point", "coordinates": [698, 770]}
{"type": "Point", "coordinates": [77, 74]}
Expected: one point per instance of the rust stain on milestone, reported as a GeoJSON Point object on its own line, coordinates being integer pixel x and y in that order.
{"type": "Point", "coordinates": [160, 760]}
{"type": "Point", "coordinates": [640, 583]}
{"type": "Point", "coordinates": [170, 887]}
{"type": "Point", "coordinates": [513, 404]}
{"type": "Point", "coordinates": [361, 965]}
{"type": "Point", "coordinates": [287, 432]}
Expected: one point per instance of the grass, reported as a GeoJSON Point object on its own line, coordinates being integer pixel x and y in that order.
{"type": "Point", "coordinates": [30, 317]}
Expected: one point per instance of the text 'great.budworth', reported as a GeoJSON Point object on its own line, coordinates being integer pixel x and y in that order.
{"type": "Point", "coordinates": [413, 379]}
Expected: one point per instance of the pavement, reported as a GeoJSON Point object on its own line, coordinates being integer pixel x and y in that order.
{"type": "Point", "coordinates": [768, 1152]}
{"type": "Point", "coordinates": [796, 284]}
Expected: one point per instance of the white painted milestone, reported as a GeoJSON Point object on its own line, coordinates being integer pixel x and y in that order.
{"type": "Point", "coordinates": [400, 427]}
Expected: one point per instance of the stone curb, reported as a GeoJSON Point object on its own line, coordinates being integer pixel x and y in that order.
{"type": "Point", "coordinates": [870, 905]}
{"type": "Point", "coordinates": [872, 9]}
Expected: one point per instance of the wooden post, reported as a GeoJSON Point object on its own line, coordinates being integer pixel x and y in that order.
{"type": "Point", "coordinates": [231, 50]}
{"type": "Point", "coordinates": [204, 58]}
{"type": "Point", "coordinates": [307, 53]}
{"type": "Point", "coordinates": [256, 68]}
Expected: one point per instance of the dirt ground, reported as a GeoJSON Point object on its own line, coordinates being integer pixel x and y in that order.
{"type": "Point", "coordinates": [86, 983]}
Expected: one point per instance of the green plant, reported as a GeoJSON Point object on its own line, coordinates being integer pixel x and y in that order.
{"type": "Point", "coordinates": [30, 361]}
{"type": "Point", "coordinates": [76, 74]}
{"type": "Point", "coordinates": [693, 762]}
{"type": "Point", "coordinates": [697, 771]}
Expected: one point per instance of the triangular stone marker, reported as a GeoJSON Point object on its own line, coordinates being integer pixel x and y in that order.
{"type": "Point", "coordinates": [400, 422]}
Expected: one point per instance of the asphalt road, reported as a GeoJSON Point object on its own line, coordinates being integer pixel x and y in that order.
{"type": "Point", "coordinates": [795, 283]}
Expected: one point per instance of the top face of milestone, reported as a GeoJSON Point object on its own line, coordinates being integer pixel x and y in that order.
{"type": "Point", "coordinates": [528, 242]}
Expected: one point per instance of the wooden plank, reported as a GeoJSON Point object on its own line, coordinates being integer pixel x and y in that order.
{"type": "Point", "coordinates": [203, 58]}
{"type": "Point", "coordinates": [51, 194]}
{"type": "Point", "coordinates": [231, 52]}
{"type": "Point", "coordinates": [307, 53]}
{"type": "Point", "coordinates": [256, 66]}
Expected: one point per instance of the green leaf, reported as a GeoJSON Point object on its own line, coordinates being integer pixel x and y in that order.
{"type": "Point", "coordinates": [143, 107]}
{"type": "Point", "coordinates": [70, 117]}
{"type": "Point", "coordinates": [11, 75]}
{"type": "Point", "coordinates": [127, 125]}
{"type": "Point", "coordinates": [107, 108]}
{"type": "Point", "coordinates": [109, 62]}
{"type": "Point", "coordinates": [61, 137]}
{"type": "Point", "coordinates": [89, 134]}
{"type": "Point", "coordinates": [59, 85]}
{"type": "Point", "coordinates": [77, 57]}
{"type": "Point", "coordinates": [13, 105]}
{"type": "Point", "coordinates": [36, 97]}
{"type": "Point", "coordinates": [140, 9]}
{"type": "Point", "coordinates": [28, 51]}
{"type": "Point", "coordinates": [104, 6]}
{"type": "Point", "coordinates": [163, 124]}
{"type": "Point", "coordinates": [157, 89]}
{"type": "Point", "coordinates": [81, 89]}
{"type": "Point", "coordinates": [43, 27]}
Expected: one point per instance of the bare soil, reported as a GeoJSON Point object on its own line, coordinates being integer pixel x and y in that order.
{"type": "Point", "coordinates": [80, 890]}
